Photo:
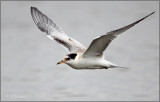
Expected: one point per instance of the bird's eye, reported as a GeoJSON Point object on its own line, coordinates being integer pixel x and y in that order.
{"type": "Point", "coordinates": [68, 58]}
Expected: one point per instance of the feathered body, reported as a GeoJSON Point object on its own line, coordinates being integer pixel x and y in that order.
{"type": "Point", "coordinates": [80, 57]}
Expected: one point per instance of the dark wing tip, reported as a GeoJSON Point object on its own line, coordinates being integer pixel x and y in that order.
{"type": "Point", "coordinates": [41, 20]}
{"type": "Point", "coordinates": [33, 8]}
{"type": "Point", "coordinates": [149, 14]}
{"type": "Point", "coordinates": [153, 12]}
{"type": "Point", "coordinates": [35, 18]}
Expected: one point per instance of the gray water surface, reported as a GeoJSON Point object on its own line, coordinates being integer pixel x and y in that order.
{"type": "Point", "coordinates": [28, 58]}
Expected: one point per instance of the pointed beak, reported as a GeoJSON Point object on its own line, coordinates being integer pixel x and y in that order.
{"type": "Point", "coordinates": [63, 61]}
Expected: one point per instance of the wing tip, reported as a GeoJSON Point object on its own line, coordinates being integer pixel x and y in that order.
{"type": "Point", "coordinates": [32, 8]}
{"type": "Point", "coordinates": [150, 14]}
{"type": "Point", "coordinates": [153, 12]}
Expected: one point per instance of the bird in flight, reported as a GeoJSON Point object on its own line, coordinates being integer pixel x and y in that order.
{"type": "Point", "coordinates": [79, 56]}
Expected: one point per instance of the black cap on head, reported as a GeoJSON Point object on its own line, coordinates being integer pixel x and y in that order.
{"type": "Point", "coordinates": [72, 55]}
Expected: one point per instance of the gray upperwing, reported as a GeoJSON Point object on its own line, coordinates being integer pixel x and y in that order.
{"type": "Point", "coordinates": [99, 44]}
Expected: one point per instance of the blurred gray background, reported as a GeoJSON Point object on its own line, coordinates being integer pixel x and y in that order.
{"type": "Point", "coordinates": [28, 58]}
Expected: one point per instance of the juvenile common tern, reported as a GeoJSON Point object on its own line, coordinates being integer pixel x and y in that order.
{"type": "Point", "coordinates": [79, 57]}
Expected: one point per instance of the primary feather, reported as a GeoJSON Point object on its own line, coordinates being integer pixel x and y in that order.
{"type": "Point", "coordinates": [54, 32]}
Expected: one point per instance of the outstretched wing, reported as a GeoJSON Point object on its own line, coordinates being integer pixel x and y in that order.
{"type": "Point", "coordinates": [99, 44]}
{"type": "Point", "coordinates": [54, 32]}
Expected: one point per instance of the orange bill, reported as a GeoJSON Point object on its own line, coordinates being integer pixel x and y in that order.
{"type": "Point", "coordinates": [63, 61]}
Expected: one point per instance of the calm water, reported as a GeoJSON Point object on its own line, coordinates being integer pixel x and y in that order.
{"type": "Point", "coordinates": [28, 58]}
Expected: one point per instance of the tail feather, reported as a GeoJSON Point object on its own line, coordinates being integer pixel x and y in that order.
{"type": "Point", "coordinates": [118, 67]}
{"type": "Point", "coordinates": [122, 67]}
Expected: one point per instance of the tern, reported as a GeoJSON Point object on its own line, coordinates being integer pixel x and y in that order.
{"type": "Point", "coordinates": [79, 57]}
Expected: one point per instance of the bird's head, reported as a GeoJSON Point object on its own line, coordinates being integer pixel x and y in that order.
{"type": "Point", "coordinates": [68, 58]}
